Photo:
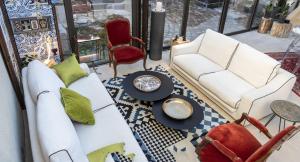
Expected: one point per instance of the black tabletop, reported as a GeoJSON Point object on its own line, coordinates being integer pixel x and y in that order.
{"type": "Point", "coordinates": [164, 91]}
{"type": "Point", "coordinates": [188, 123]}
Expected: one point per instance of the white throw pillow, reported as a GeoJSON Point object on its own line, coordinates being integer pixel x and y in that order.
{"type": "Point", "coordinates": [217, 47]}
{"type": "Point", "coordinates": [41, 78]}
{"type": "Point", "coordinates": [253, 66]}
{"type": "Point", "coordinates": [56, 133]}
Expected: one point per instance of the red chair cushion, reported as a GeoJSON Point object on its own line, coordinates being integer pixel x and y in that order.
{"type": "Point", "coordinates": [118, 31]}
{"type": "Point", "coordinates": [235, 137]}
{"type": "Point", "coordinates": [127, 54]}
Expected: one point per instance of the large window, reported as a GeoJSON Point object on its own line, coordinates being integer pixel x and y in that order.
{"type": "Point", "coordinates": [238, 15]}
{"type": "Point", "coordinates": [89, 18]}
{"type": "Point", "coordinates": [203, 14]}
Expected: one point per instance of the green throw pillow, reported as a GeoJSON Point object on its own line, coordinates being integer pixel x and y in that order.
{"type": "Point", "coordinates": [69, 70]}
{"type": "Point", "coordinates": [78, 107]}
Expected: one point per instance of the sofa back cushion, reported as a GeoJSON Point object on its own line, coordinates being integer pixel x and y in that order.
{"type": "Point", "coordinates": [253, 66]}
{"type": "Point", "coordinates": [42, 79]}
{"type": "Point", "coordinates": [57, 136]}
{"type": "Point", "coordinates": [217, 47]}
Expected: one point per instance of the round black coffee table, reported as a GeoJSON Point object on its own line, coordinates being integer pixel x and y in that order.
{"type": "Point", "coordinates": [167, 121]}
{"type": "Point", "coordinates": [164, 91]}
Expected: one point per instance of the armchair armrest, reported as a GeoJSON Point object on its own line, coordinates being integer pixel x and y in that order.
{"type": "Point", "coordinates": [138, 40]}
{"type": "Point", "coordinates": [222, 148]}
{"type": "Point", "coordinates": [187, 48]}
{"type": "Point", "coordinates": [257, 101]}
{"type": "Point", "coordinates": [255, 123]}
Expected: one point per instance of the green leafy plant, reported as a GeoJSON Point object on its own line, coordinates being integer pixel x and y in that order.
{"type": "Point", "coordinates": [268, 10]}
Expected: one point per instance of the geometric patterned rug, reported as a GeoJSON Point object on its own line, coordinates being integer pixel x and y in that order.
{"type": "Point", "coordinates": [153, 137]}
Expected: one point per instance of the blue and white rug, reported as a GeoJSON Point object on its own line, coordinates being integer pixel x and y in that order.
{"type": "Point", "coordinates": [154, 138]}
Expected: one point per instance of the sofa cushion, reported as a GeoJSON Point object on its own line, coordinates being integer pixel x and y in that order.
{"type": "Point", "coordinates": [218, 47]}
{"type": "Point", "coordinates": [69, 70]}
{"type": "Point", "coordinates": [41, 79]}
{"type": "Point", "coordinates": [56, 132]}
{"type": "Point", "coordinates": [226, 86]}
{"type": "Point", "coordinates": [92, 88]}
{"type": "Point", "coordinates": [78, 107]}
{"type": "Point", "coordinates": [253, 66]}
{"type": "Point", "coordinates": [110, 128]}
{"type": "Point", "coordinates": [196, 65]}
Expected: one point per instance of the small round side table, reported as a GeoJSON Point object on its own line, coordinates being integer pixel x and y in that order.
{"type": "Point", "coordinates": [285, 110]}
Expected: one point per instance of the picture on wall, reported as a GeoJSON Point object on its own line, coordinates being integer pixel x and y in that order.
{"type": "Point", "coordinates": [31, 24]}
{"type": "Point", "coordinates": [39, 1]}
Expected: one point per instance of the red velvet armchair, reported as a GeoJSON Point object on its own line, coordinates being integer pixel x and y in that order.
{"type": "Point", "coordinates": [232, 142]}
{"type": "Point", "coordinates": [119, 42]}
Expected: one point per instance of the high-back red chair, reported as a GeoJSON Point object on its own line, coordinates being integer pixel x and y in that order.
{"type": "Point", "coordinates": [119, 42]}
{"type": "Point", "coordinates": [232, 142]}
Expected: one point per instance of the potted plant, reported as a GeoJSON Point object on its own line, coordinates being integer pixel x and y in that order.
{"type": "Point", "coordinates": [266, 21]}
{"type": "Point", "coordinates": [283, 13]}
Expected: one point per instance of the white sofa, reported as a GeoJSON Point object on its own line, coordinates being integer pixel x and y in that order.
{"type": "Point", "coordinates": [235, 76]}
{"type": "Point", "coordinates": [52, 134]}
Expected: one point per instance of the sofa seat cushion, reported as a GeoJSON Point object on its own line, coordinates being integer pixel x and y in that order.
{"type": "Point", "coordinates": [253, 66]}
{"type": "Point", "coordinates": [196, 65]}
{"type": "Point", "coordinates": [226, 86]}
{"type": "Point", "coordinates": [92, 88]}
{"type": "Point", "coordinates": [110, 128]}
{"type": "Point", "coordinates": [217, 47]}
{"type": "Point", "coordinates": [235, 137]}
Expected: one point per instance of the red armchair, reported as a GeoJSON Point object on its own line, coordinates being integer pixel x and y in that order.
{"type": "Point", "coordinates": [234, 143]}
{"type": "Point", "coordinates": [119, 42]}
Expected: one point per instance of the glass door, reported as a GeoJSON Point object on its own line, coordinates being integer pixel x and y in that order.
{"type": "Point", "coordinates": [239, 15]}
{"type": "Point", "coordinates": [89, 17]}
{"type": "Point", "coordinates": [203, 14]}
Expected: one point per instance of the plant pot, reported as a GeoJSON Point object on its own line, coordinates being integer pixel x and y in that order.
{"type": "Point", "coordinates": [281, 30]}
{"type": "Point", "coordinates": [265, 25]}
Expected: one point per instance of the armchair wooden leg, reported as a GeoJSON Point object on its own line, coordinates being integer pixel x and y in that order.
{"type": "Point", "coordinates": [144, 64]}
{"type": "Point", "coordinates": [115, 69]}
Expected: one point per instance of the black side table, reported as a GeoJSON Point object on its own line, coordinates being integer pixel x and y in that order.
{"type": "Point", "coordinates": [285, 110]}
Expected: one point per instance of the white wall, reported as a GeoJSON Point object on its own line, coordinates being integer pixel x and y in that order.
{"type": "Point", "coordinates": [11, 134]}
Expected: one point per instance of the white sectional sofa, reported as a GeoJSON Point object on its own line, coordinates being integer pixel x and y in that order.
{"type": "Point", "coordinates": [235, 76]}
{"type": "Point", "coordinates": [53, 136]}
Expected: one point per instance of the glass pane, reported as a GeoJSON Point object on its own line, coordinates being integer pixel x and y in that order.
{"type": "Point", "coordinates": [89, 18]}
{"type": "Point", "coordinates": [203, 14]}
{"type": "Point", "coordinates": [238, 15]}
{"type": "Point", "coordinates": [63, 29]}
{"type": "Point", "coordinates": [259, 12]}
{"type": "Point", "coordinates": [174, 13]}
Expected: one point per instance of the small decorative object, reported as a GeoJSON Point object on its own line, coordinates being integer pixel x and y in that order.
{"type": "Point", "coordinates": [147, 83]}
{"type": "Point", "coordinates": [177, 108]}
{"type": "Point", "coordinates": [159, 7]}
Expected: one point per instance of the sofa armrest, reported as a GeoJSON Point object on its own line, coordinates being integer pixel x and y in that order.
{"type": "Point", "coordinates": [85, 67]}
{"type": "Point", "coordinates": [256, 102]}
{"type": "Point", "coordinates": [187, 48]}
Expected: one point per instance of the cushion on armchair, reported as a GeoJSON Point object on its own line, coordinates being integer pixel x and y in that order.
{"type": "Point", "coordinates": [218, 47]}
{"type": "Point", "coordinates": [235, 137]}
{"type": "Point", "coordinates": [253, 66]}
